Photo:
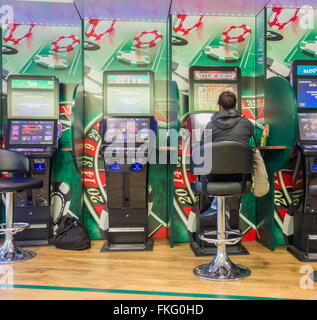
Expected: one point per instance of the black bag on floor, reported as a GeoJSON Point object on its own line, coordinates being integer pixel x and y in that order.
{"type": "Point", "coordinates": [71, 234]}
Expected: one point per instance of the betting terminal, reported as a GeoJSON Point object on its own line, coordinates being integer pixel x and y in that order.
{"type": "Point", "coordinates": [32, 128]}
{"type": "Point", "coordinates": [126, 137]}
{"type": "Point", "coordinates": [304, 246]}
{"type": "Point", "coordinates": [206, 84]}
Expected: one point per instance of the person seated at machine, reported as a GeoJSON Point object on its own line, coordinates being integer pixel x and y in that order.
{"type": "Point", "coordinates": [227, 125]}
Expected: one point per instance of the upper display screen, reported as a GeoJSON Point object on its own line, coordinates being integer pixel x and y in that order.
{"type": "Point", "coordinates": [128, 100]}
{"type": "Point", "coordinates": [32, 99]}
{"type": "Point", "coordinates": [120, 130]}
{"type": "Point", "coordinates": [203, 75]}
{"type": "Point", "coordinates": [307, 123]}
{"type": "Point", "coordinates": [206, 95]}
{"type": "Point", "coordinates": [32, 104]}
{"type": "Point", "coordinates": [128, 93]}
{"type": "Point", "coordinates": [307, 93]}
{"type": "Point", "coordinates": [26, 132]}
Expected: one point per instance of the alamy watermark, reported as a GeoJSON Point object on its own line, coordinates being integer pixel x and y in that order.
{"type": "Point", "coordinates": [6, 277]}
{"type": "Point", "coordinates": [306, 282]}
{"type": "Point", "coordinates": [128, 145]}
{"type": "Point", "coordinates": [306, 18]}
{"type": "Point", "coordinates": [6, 15]}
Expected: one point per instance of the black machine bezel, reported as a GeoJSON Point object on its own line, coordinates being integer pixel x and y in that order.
{"type": "Point", "coordinates": [192, 70]}
{"type": "Point", "coordinates": [28, 77]}
{"type": "Point", "coordinates": [130, 72]}
{"type": "Point", "coordinates": [295, 77]}
{"type": "Point", "coordinates": [294, 80]}
{"type": "Point", "coordinates": [30, 146]}
{"type": "Point", "coordinates": [151, 120]}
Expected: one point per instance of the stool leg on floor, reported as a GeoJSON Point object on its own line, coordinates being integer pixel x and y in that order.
{"type": "Point", "coordinates": [10, 251]}
{"type": "Point", "coordinates": [221, 267]}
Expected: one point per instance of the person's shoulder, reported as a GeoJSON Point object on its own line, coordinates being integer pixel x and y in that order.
{"type": "Point", "coordinates": [246, 121]}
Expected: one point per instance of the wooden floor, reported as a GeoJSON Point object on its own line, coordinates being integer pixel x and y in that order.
{"type": "Point", "coordinates": [162, 274]}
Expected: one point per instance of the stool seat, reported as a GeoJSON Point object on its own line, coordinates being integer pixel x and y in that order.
{"type": "Point", "coordinates": [19, 184]}
{"type": "Point", "coordinates": [221, 188]}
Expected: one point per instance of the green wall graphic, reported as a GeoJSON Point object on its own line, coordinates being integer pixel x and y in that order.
{"type": "Point", "coordinates": [32, 54]}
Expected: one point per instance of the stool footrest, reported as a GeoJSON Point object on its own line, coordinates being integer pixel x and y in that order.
{"type": "Point", "coordinates": [16, 227]}
{"type": "Point", "coordinates": [218, 241]}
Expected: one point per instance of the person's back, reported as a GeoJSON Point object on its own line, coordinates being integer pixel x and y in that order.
{"type": "Point", "coordinates": [227, 124]}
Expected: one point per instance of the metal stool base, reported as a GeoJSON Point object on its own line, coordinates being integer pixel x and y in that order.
{"type": "Point", "coordinates": [221, 272]}
{"type": "Point", "coordinates": [10, 253]}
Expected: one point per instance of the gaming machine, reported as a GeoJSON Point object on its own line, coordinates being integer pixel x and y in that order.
{"type": "Point", "coordinates": [205, 86]}
{"type": "Point", "coordinates": [126, 147]}
{"type": "Point", "coordinates": [304, 246]}
{"type": "Point", "coordinates": [32, 129]}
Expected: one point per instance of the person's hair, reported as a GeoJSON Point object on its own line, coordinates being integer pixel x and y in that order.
{"type": "Point", "coordinates": [227, 100]}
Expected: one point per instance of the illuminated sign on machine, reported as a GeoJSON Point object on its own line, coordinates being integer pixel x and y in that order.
{"type": "Point", "coordinates": [207, 84]}
{"type": "Point", "coordinates": [215, 75]}
{"type": "Point", "coordinates": [32, 84]}
{"type": "Point", "coordinates": [307, 70]}
{"type": "Point", "coordinates": [128, 79]}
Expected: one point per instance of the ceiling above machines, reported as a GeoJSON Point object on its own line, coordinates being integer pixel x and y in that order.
{"type": "Point", "coordinates": [142, 10]}
{"type": "Point", "coordinates": [63, 12]}
{"type": "Point", "coordinates": [40, 13]}
{"type": "Point", "coordinates": [221, 8]}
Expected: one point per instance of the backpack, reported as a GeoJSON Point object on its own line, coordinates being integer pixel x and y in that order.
{"type": "Point", "coordinates": [71, 234]}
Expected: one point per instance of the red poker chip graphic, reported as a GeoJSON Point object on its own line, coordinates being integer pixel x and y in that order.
{"type": "Point", "coordinates": [147, 39]}
{"type": "Point", "coordinates": [65, 43]}
{"type": "Point", "coordinates": [236, 34]}
{"type": "Point", "coordinates": [281, 18]}
{"type": "Point", "coordinates": [186, 24]}
{"type": "Point", "coordinates": [96, 29]}
{"type": "Point", "coordinates": [15, 33]}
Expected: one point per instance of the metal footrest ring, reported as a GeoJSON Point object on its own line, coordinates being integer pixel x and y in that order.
{"type": "Point", "coordinates": [17, 227]}
{"type": "Point", "coordinates": [231, 241]}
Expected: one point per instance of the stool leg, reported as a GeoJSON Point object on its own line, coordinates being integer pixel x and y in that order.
{"type": "Point", "coordinates": [221, 267]}
{"type": "Point", "coordinates": [10, 251]}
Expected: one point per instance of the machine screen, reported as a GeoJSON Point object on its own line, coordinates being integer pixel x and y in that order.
{"type": "Point", "coordinates": [120, 130]}
{"type": "Point", "coordinates": [24, 132]}
{"type": "Point", "coordinates": [33, 104]}
{"type": "Point", "coordinates": [307, 93]}
{"type": "Point", "coordinates": [307, 126]}
{"type": "Point", "coordinates": [128, 100]}
{"type": "Point", "coordinates": [206, 95]}
{"type": "Point", "coordinates": [32, 99]}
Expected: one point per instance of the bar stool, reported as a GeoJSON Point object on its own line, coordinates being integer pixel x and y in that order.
{"type": "Point", "coordinates": [16, 164]}
{"type": "Point", "coordinates": [222, 160]}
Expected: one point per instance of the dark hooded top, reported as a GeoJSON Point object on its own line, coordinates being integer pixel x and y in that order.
{"type": "Point", "coordinates": [228, 126]}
